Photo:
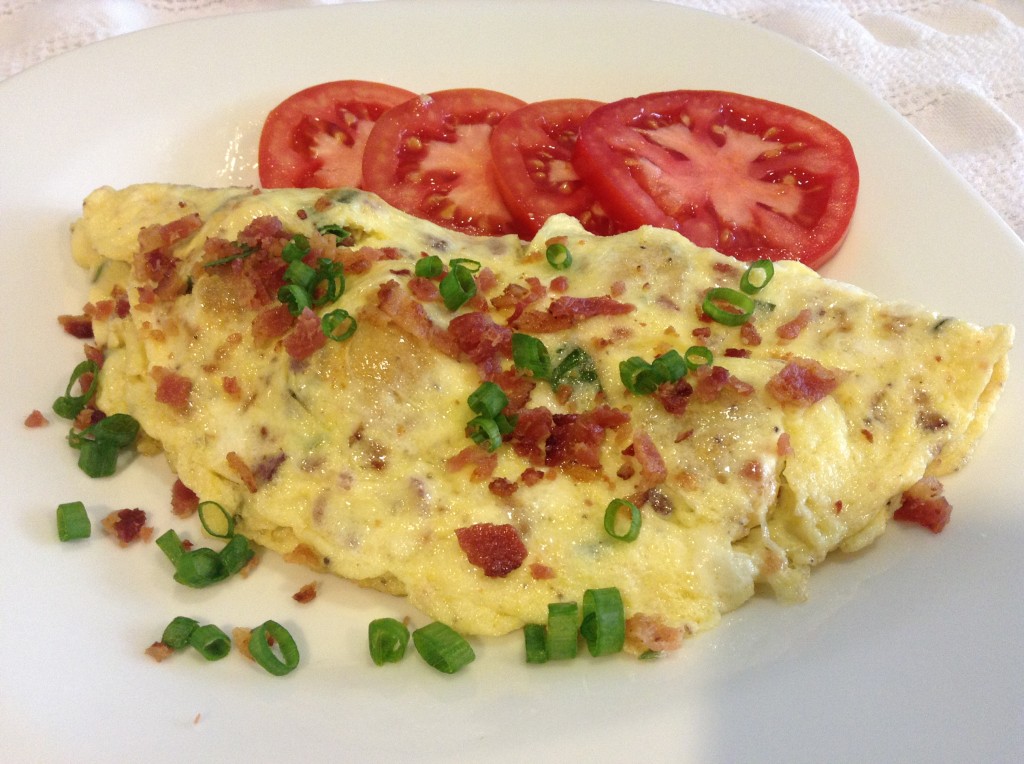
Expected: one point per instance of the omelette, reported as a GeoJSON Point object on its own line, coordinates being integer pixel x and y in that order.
{"type": "Point", "coordinates": [487, 426]}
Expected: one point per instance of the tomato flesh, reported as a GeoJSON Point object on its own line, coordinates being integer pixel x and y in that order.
{"type": "Point", "coordinates": [748, 177]}
{"type": "Point", "coordinates": [431, 157]}
{"type": "Point", "coordinates": [532, 150]}
{"type": "Point", "coordinates": [315, 138]}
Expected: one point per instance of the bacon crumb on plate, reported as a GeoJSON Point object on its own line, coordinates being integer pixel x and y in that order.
{"type": "Point", "coordinates": [36, 419]}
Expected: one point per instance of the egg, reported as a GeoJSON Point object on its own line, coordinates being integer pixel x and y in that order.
{"type": "Point", "coordinates": [792, 434]}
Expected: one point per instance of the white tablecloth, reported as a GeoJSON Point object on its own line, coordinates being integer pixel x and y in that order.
{"type": "Point", "coordinates": [953, 68]}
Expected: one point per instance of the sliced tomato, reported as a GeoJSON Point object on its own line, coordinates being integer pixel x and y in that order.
{"type": "Point", "coordinates": [532, 149]}
{"type": "Point", "coordinates": [431, 157]}
{"type": "Point", "coordinates": [315, 137]}
{"type": "Point", "coordinates": [749, 177]}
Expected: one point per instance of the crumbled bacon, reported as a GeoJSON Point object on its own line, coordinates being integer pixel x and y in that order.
{"type": "Point", "coordinates": [307, 593]}
{"type": "Point", "coordinates": [517, 296]}
{"type": "Point", "coordinates": [566, 312]}
{"type": "Point", "coordinates": [360, 260]}
{"type": "Point", "coordinates": [531, 432]}
{"type": "Point", "coordinates": [231, 386]}
{"type": "Point", "coordinates": [242, 470]}
{"type": "Point", "coordinates": [498, 549]}
{"type": "Point", "coordinates": [306, 337]}
{"type": "Point", "coordinates": [652, 465]}
{"type": "Point", "coordinates": [159, 651]}
{"type": "Point", "coordinates": [803, 381]}
{"type": "Point", "coordinates": [127, 525]}
{"type": "Point", "coordinates": [541, 572]}
{"type": "Point", "coordinates": [272, 323]}
{"type": "Point", "coordinates": [650, 633]}
{"type": "Point", "coordinates": [749, 334]}
{"type": "Point", "coordinates": [155, 260]}
{"type": "Point", "coordinates": [711, 381]}
{"type": "Point", "coordinates": [674, 396]}
{"type": "Point", "coordinates": [172, 388]}
{"type": "Point", "coordinates": [784, 446]}
{"type": "Point", "coordinates": [267, 467]}
{"type": "Point", "coordinates": [924, 504]}
{"type": "Point", "coordinates": [484, 342]}
{"type": "Point", "coordinates": [184, 501]}
{"type": "Point", "coordinates": [577, 438]}
{"type": "Point", "coordinates": [516, 387]}
{"type": "Point", "coordinates": [424, 289]}
{"type": "Point", "coordinates": [736, 353]}
{"type": "Point", "coordinates": [531, 476]}
{"type": "Point", "coordinates": [560, 284]}
{"type": "Point", "coordinates": [79, 327]}
{"type": "Point", "coordinates": [483, 463]}
{"type": "Point", "coordinates": [36, 419]}
{"type": "Point", "coordinates": [502, 487]}
{"type": "Point", "coordinates": [410, 316]}
{"type": "Point", "coordinates": [792, 328]}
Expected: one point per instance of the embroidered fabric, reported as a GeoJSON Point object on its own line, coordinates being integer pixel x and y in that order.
{"type": "Point", "coordinates": [953, 68]}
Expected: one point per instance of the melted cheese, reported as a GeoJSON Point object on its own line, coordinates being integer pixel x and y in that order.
{"type": "Point", "coordinates": [353, 444]}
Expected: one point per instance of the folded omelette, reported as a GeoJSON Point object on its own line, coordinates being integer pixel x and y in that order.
{"type": "Point", "coordinates": [356, 446]}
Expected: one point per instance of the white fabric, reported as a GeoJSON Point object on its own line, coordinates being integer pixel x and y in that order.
{"type": "Point", "coordinates": [953, 68]}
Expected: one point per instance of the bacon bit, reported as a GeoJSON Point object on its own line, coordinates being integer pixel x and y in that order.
{"type": "Point", "coordinates": [566, 312]}
{"type": "Point", "coordinates": [839, 506]}
{"type": "Point", "coordinates": [36, 419]}
{"type": "Point", "coordinates": [303, 554]}
{"type": "Point", "coordinates": [79, 327]}
{"type": "Point", "coordinates": [184, 501]}
{"type": "Point", "coordinates": [516, 387]}
{"type": "Point", "coordinates": [576, 438]}
{"type": "Point", "coordinates": [752, 470]}
{"type": "Point", "coordinates": [702, 332]}
{"type": "Point", "coordinates": [531, 432]}
{"type": "Point", "coordinates": [483, 341]}
{"type": "Point", "coordinates": [267, 467]}
{"type": "Point", "coordinates": [307, 593]}
{"type": "Point", "coordinates": [87, 417]}
{"type": "Point", "coordinates": [736, 353]}
{"type": "Point", "coordinates": [127, 525]}
{"type": "Point", "coordinates": [674, 396]}
{"type": "Point", "coordinates": [306, 337]}
{"type": "Point", "coordinates": [241, 636]}
{"type": "Point", "coordinates": [486, 281]}
{"type": "Point", "coordinates": [784, 446]}
{"type": "Point", "coordinates": [172, 388]}
{"type": "Point", "coordinates": [868, 435]}
{"type": "Point", "coordinates": [159, 651]}
{"type": "Point", "coordinates": [323, 203]}
{"type": "Point", "coordinates": [241, 469]}
{"type": "Point", "coordinates": [498, 549]}
{"type": "Point", "coordinates": [660, 501]}
{"type": "Point", "coordinates": [618, 288]}
{"type": "Point", "coordinates": [517, 296]}
{"type": "Point", "coordinates": [686, 435]}
{"type": "Point", "coordinates": [410, 316]}
{"type": "Point", "coordinates": [424, 289]}
{"type": "Point", "coordinates": [231, 387]}
{"type": "Point", "coordinates": [94, 354]}
{"type": "Point", "coordinates": [791, 329]}
{"type": "Point", "coordinates": [749, 335]}
{"type": "Point", "coordinates": [560, 284]}
{"type": "Point", "coordinates": [712, 381]}
{"type": "Point", "coordinates": [924, 504]}
{"type": "Point", "coordinates": [482, 462]}
{"type": "Point", "coordinates": [803, 381]}
{"type": "Point", "coordinates": [541, 572]}
{"type": "Point", "coordinates": [652, 465]}
{"type": "Point", "coordinates": [650, 633]}
{"type": "Point", "coordinates": [502, 487]}
{"type": "Point", "coordinates": [271, 323]}
{"type": "Point", "coordinates": [625, 472]}
{"type": "Point", "coordinates": [531, 476]}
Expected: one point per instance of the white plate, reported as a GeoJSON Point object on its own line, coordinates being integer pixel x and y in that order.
{"type": "Point", "coordinates": [907, 650]}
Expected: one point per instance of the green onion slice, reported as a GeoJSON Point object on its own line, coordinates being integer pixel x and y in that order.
{"type": "Point", "coordinates": [236, 553]}
{"type": "Point", "coordinates": [170, 544]}
{"type": "Point", "coordinates": [295, 249]}
{"type": "Point", "coordinates": [484, 431]}
{"type": "Point", "coordinates": [69, 406]}
{"type": "Point", "coordinates": [488, 400]}
{"type": "Point", "coordinates": [457, 287]}
{"type": "Point", "coordinates": [442, 647]}
{"type": "Point", "coordinates": [756, 276]}
{"type": "Point", "coordinates": [295, 297]}
{"type": "Point", "coordinates": [530, 354]}
{"type": "Point", "coordinates": [470, 265]}
{"type": "Point", "coordinates": [216, 520]}
{"type": "Point", "coordinates": [388, 639]}
{"type": "Point", "coordinates": [338, 325]}
{"type": "Point", "coordinates": [576, 368]}
{"type": "Point", "coordinates": [670, 366]}
{"type": "Point", "coordinates": [73, 521]}
{"type": "Point", "coordinates": [559, 257]}
{"type": "Point", "coordinates": [179, 631]}
{"type": "Point", "coordinates": [300, 274]}
{"type": "Point", "coordinates": [697, 356]}
{"type": "Point", "coordinates": [535, 638]}
{"type": "Point", "coordinates": [331, 274]}
{"type": "Point", "coordinates": [604, 621]}
{"type": "Point", "coordinates": [740, 309]}
{"type": "Point", "coordinates": [429, 267]}
{"type": "Point", "coordinates": [200, 567]}
{"type": "Point", "coordinates": [97, 459]}
{"type": "Point", "coordinates": [563, 630]}
{"type": "Point", "coordinates": [611, 520]}
{"type": "Point", "coordinates": [266, 656]}
{"type": "Point", "coordinates": [334, 228]}
{"type": "Point", "coordinates": [211, 642]}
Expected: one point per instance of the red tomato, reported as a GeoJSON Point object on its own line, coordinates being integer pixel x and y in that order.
{"type": "Point", "coordinates": [315, 137]}
{"type": "Point", "coordinates": [749, 177]}
{"type": "Point", "coordinates": [431, 157]}
{"type": "Point", "coordinates": [532, 149]}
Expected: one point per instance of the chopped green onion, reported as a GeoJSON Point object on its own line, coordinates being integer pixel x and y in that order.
{"type": "Point", "coordinates": [563, 630]}
{"type": "Point", "coordinates": [236, 553]}
{"type": "Point", "coordinates": [211, 642]}
{"type": "Point", "coordinates": [179, 631]}
{"type": "Point", "coordinates": [697, 356]}
{"type": "Point", "coordinates": [69, 406]}
{"type": "Point", "coordinates": [558, 256]}
{"type": "Point", "coordinates": [300, 274]}
{"type": "Point", "coordinates": [744, 306]}
{"type": "Point", "coordinates": [442, 647]}
{"type": "Point", "coordinates": [388, 639]}
{"type": "Point", "coordinates": [470, 265]}
{"type": "Point", "coordinates": [767, 271]}
{"type": "Point", "coordinates": [97, 459]}
{"type": "Point", "coordinates": [488, 400]}
{"type": "Point", "coordinates": [331, 274]}
{"type": "Point", "coordinates": [484, 431]}
{"type": "Point", "coordinates": [117, 429]}
{"type": "Point", "coordinates": [200, 567]}
{"type": "Point", "coordinates": [635, 375]}
{"type": "Point", "coordinates": [576, 368]}
{"type": "Point", "coordinates": [429, 267]}
{"type": "Point", "coordinates": [457, 287]}
{"type": "Point", "coordinates": [611, 517]}
{"type": "Point", "coordinates": [295, 298]}
{"type": "Point", "coordinates": [224, 522]}
{"type": "Point", "coordinates": [604, 621]}
{"type": "Point", "coordinates": [670, 366]}
{"type": "Point", "coordinates": [295, 249]}
{"type": "Point", "coordinates": [338, 325]}
{"type": "Point", "coordinates": [535, 638]}
{"type": "Point", "coordinates": [73, 521]}
{"type": "Point", "coordinates": [170, 544]}
{"type": "Point", "coordinates": [98, 444]}
{"type": "Point", "coordinates": [530, 354]}
{"type": "Point", "coordinates": [265, 655]}
{"type": "Point", "coordinates": [334, 228]}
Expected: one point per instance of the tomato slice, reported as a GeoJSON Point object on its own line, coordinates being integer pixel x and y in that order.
{"type": "Point", "coordinates": [749, 177]}
{"type": "Point", "coordinates": [315, 137]}
{"type": "Point", "coordinates": [431, 157]}
{"type": "Point", "coordinates": [532, 149]}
